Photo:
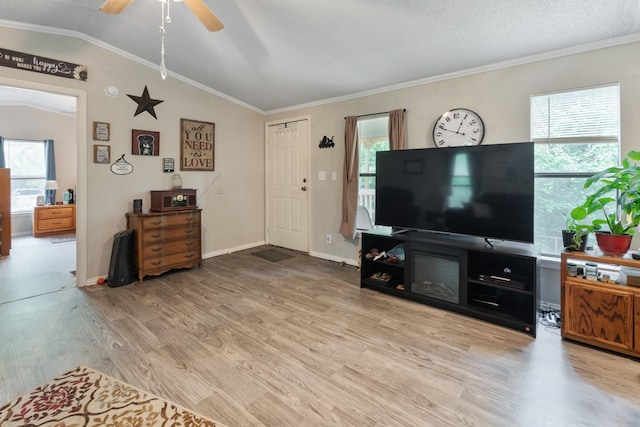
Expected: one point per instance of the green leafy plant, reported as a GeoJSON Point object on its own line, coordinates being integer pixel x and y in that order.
{"type": "Point", "coordinates": [622, 211]}
{"type": "Point", "coordinates": [578, 232]}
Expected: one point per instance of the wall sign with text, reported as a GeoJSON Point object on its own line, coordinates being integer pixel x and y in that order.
{"type": "Point", "coordinates": [197, 145]}
{"type": "Point", "coordinates": [40, 64]}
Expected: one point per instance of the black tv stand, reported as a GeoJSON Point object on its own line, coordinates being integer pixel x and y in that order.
{"type": "Point", "coordinates": [488, 242]}
{"type": "Point", "coordinates": [493, 282]}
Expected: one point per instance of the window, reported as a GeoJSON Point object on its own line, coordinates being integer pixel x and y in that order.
{"type": "Point", "coordinates": [373, 136]}
{"type": "Point", "coordinates": [27, 162]}
{"type": "Point", "coordinates": [576, 133]}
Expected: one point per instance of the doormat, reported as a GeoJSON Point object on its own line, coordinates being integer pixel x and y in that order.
{"type": "Point", "coordinates": [272, 255]}
{"type": "Point", "coordinates": [63, 238]}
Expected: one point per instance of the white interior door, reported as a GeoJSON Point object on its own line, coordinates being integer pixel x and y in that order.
{"type": "Point", "coordinates": [287, 185]}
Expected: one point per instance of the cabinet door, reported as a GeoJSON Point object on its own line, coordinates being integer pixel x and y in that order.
{"type": "Point", "coordinates": [636, 329]}
{"type": "Point", "coordinates": [602, 315]}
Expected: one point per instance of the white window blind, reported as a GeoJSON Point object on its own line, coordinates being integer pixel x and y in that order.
{"type": "Point", "coordinates": [585, 115]}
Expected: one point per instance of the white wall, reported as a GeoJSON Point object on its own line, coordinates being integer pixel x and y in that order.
{"type": "Point", "coordinates": [232, 197]}
{"type": "Point", "coordinates": [500, 96]}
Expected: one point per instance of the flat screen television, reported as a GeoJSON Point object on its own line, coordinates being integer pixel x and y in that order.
{"type": "Point", "coordinates": [485, 190]}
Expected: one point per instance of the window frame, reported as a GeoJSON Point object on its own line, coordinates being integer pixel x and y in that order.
{"type": "Point", "coordinates": [18, 178]}
{"type": "Point", "coordinates": [371, 207]}
{"type": "Point", "coordinates": [568, 140]}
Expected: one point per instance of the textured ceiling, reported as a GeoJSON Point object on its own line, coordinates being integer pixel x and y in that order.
{"type": "Point", "coordinates": [273, 55]}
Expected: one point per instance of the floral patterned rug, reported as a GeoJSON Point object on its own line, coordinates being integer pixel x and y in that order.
{"type": "Point", "coordinates": [84, 397]}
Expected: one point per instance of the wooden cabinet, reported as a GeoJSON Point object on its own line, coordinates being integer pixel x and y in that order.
{"type": "Point", "coordinates": [54, 219]}
{"type": "Point", "coordinates": [167, 240]}
{"type": "Point", "coordinates": [5, 211]}
{"type": "Point", "coordinates": [602, 314]}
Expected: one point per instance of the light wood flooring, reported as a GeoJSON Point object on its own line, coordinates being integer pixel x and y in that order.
{"type": "Point", "coordinates": [250, 342]}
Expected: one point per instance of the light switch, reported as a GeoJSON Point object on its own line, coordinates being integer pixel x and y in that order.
{"type": "Point", "coordinates": [322, 176]}
{"type": "Point", "coordinates": [334, 175]}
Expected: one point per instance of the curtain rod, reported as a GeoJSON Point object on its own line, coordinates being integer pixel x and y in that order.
{"type": "Point", "coordinates": [376, 114]}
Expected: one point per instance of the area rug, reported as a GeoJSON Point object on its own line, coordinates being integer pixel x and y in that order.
{"type": "Point", "coordinates": [84, 397]}
{"type": "Point", "coordinates": [272, 255]}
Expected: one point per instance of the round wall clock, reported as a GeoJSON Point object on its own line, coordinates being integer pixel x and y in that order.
{"type": "Point", "coordinates": [458, 127]}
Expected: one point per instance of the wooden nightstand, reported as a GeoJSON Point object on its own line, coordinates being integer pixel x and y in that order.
{"type": "Point", "coordinates": [54, 219]}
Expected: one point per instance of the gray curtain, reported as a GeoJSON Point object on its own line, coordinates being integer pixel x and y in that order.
{"type": "Point", "coordinates": [396, 130]}
{"type": "Point", "coordinates": [2, 161]}
{"type": "Point", "coordinates": [50, 169]}
{"type": "Point", "coordinates": [350, 178]}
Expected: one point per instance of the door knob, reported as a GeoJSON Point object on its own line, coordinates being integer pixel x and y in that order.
{"type": "Point", "coordinates": [304, 188]}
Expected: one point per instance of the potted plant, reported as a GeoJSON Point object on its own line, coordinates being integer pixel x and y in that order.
{"type": "Point", "coordinates": [615, 193]}
{"type": "Point", "coordinates": [575, 235]}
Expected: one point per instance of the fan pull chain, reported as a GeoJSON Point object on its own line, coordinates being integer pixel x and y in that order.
{"type": "Point", "coordinates": [165, 18]}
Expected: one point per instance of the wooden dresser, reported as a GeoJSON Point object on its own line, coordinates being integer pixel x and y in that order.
{"type": "Point", "coordinates": [166, 240]}
{"type": "Point", "coordinates": [54, 219]}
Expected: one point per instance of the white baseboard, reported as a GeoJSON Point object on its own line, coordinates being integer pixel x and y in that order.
{"type": "Point", "coordinates": [234, 249]}
{"type": "Point", "coordinates": [334, 258]}
{"type": "Point", "coordinates": [549, 306]}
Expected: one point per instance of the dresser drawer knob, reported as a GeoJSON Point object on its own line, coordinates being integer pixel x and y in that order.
{"type": "Point", "coordinates": [155, 236]}
{"type": "Point", "coordinates": [189, 256]}
{"type": "Point", "coordinates": [156, 262]}
{"type": "Point", "coordinates": [156, 222]}
{"type": "Point", "coordinates": [189, 243]}
{"type": "Point", "coordinates": [156, 249]}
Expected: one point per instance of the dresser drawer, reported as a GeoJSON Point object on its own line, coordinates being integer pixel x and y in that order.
{"type": "Point", "coordinates": [161, 234]}
{"type": "Point", "coordinates": [161, 221]}
{"type": "Point", "coordinates": [61, 212]}
{"type": "Point", "coordinates": [170, 260]}
{"type": "Point", "coordinates": [170, 247]}
{"type": "Point", "coordinates": [55, 224]}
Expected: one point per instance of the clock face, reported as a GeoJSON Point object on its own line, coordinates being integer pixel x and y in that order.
{"type": "Point", "coordinates": [458, 127]}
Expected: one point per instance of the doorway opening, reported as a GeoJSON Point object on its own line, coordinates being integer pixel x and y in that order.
{"type": "Point", "coordinates": [38, 265]}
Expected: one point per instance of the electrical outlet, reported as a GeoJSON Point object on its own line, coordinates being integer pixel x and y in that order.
{"type": "Point", "coordinates": [328, 238]}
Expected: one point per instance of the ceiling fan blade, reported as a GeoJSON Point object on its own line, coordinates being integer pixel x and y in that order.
{"type": "Point", "coordinates": [204, 14]}
{"type": "Point", "coordinates": [115, 6]}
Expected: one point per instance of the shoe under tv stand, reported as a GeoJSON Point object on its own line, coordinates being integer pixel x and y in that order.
{"type": "Point", "coordinates": [497, 284]}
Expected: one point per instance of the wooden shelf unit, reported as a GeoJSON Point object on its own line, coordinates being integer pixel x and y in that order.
{"type": "Point", "coordinates": [166, 240]}
{"type": "Point", "coordinates": [601, 314]}
{"type": "Point", "coordinates": [54, 219]}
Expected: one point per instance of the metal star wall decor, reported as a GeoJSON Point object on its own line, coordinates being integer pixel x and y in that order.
{"type": "Point", "coordinates": [145, 103]}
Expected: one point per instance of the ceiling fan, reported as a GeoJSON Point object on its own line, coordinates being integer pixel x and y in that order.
{"type": "Point", "coordinates": [198, 7]}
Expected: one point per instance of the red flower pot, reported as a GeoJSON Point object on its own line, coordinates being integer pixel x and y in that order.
{"type": "Point", "coordinates": [613, 245]}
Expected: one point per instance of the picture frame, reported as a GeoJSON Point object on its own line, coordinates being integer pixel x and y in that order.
{"type": "Point", "coordinates": [168, 165]}
{"type": "Point", "coordinates": [101, 153]}
{"type": "Point", "coordinates": [197, 145]}
{"type": "Point", "coordinates": [145, 142]}
{"type": "Point", "coordinates": [101, 131]}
